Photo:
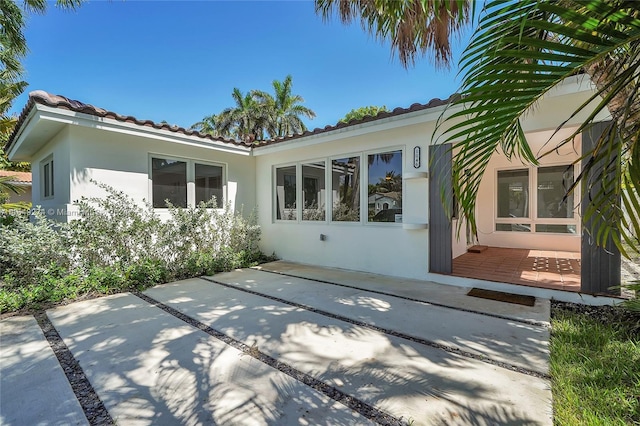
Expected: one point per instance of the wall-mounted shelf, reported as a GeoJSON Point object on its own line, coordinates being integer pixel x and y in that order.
{"type": "Point", "coordinates": [416, 175]}
{"type": "Point", "coordinates": [415, 226]}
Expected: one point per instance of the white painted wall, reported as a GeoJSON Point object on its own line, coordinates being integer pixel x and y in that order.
{"type": "Point", "coordinates": [59, 147]}
{"type": "Point", "coordinates": [384, 248]}
{"type": "Point", "coordinates": [389, 249]}
{"type": "Point", "coordinates": [486, 212]}
{"type": "Point", "coordinates": [123, 162]}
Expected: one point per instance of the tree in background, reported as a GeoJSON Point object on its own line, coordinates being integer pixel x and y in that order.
{"type": "Point", "coordinates": [209, 124]}
{"type": "Point", "coordinates": [13, 48]}
{"type": "Point", "coordinates": [284, 109]}
{"type": "Point", "coordinates": [362, 112]}
{"type": "Point", "coordinates": [258, 114]}
{"type": "Point", "coordinates": [246, 120]}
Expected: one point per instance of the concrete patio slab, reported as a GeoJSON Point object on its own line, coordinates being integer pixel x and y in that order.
{"type": "Point", "coordinates": [33, 387]}
{"type": "Point", "coordinates": [150, 368]}
{"type": "Point", "coordinates": [510, 342]}
{"type": "Point", "coordinates": [423, 290]}
{"type": "Point", "coordinates": [419, 383]}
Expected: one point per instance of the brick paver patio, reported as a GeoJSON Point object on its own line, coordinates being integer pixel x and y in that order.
{"type": "Point", "coordinates": [559, 270]}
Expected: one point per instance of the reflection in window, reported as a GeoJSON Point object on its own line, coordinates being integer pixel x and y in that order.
{"type": "Point", "coordinates": [169, 180]}
{"type": "Point", "coordinates": [345, 188]}
{"type": "Point", "coordinates": [313, 191]}
{"type": "Point", "coordinates": [385, 187]}
{"type": "Point", "coordinates": [513, 193]}
{"type": "Point", "coordinates": [553, 183]}
{"type": "Point", "coordinates": [556, 229]}
{"type": "Point", "coordinates": [513, 227]}
{"type": "Point", "coordinates": [286, 193]}
{"type": "Point", "coordinates": [208, 183]}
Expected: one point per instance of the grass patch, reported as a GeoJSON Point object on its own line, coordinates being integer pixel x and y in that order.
{"type": "Point", "coordinates": [595, 365]}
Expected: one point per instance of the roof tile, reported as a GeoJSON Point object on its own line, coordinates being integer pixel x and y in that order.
{"type": "Point", "coordinates": [43, 98]}
{"type": "Point", "coordinates": [18, 177]}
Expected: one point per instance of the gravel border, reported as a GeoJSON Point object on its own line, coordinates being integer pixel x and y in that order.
{"type": "Point", "coordinates": [412, 299]}
{"type": "Point", "coordinates": [390, 332]}
{"type": "Point", "coordinates": [361, 407]}
{"type": "Point", "coordinates": [94, 410]}
{"type": "Point", "coordinates": [605, 314]}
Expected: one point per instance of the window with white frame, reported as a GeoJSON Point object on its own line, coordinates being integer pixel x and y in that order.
{"type": "Point", "coordinates": [286, 193]}
{"type": "Point", "coordinates": [345, 189]}
{"type": "Point", "coordinates": [184, 182]}
{"type": "Point", "coordinates": [313, 191]}
{"type": "Point", "coordinates": [533, 200]}
{"type": "Point", "coordinates": [384, 178]}
{"type": "Point", "coordinates": [46, 171]}
{"type": "Point", "coordinates": [335, 188]}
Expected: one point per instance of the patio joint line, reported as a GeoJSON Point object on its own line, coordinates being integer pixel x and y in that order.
{"type": "Point", "coordinates": [92, 406]}
{"type": "Point", "coordinates": [390, 332]}
{"type": "Point", "coordinates": [413, 299]}
{"type": "Point", "coordinates": [351, 402]}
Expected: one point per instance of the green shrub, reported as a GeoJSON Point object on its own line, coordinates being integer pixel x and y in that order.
{"type": "Point", "coordinates": [116, 246]}
{"type": "Point", "coordinates": [31, 251]}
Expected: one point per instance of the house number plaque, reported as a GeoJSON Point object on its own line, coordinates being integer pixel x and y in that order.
{"type": "Point", "coordinates": [416, 157]}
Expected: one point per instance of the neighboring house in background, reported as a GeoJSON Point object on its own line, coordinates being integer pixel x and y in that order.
{"type": "Point", "coordinates": [21, 180]}
{"type": "Point", "coordinates": [316, 192]}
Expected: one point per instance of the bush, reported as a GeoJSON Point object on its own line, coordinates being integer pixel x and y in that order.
{"type": "Point", "coordinates": [116, 246]}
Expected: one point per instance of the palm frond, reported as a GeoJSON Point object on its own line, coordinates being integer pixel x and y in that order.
{"type": "Point", "coordinates": [520, 52]}
{"type": "Point", "coordinates": [414, 27]}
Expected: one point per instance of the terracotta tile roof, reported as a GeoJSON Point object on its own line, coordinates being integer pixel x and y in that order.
{"type": "Point", "coordinates": [56, 101]}
{"type": "Point", "coordinates": [433, 103]}
{"type": "Point", "coordinates": [18, 177]}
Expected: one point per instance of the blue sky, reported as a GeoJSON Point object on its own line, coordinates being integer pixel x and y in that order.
{"type": "Point", "coordinates": [179, 61]}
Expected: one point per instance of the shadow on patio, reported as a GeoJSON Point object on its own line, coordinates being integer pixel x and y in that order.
{"type": "Point", "coordinates": [557, 270]}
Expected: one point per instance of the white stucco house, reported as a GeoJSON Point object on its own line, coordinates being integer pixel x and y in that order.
{"type": "Point", "coordinates": [333, 181]}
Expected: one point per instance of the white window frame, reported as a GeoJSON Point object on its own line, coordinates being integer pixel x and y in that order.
{"type": "Point", "coordinates": [327, 192]}
{"type": "Point", "coordinates": [328, 184]}
{"type": "Point", "coordinates": [533, 219]}
{"type": "Point", "coordinates": [47, 161]}
{"type": "Point", "coordinates": [191, 177]}
{"type": "Point", "coordinates": [365, 186]}
{"type": "Point", "coordinates": [274, 190]}
{"type": "Point", "coordinates": [363, 209]}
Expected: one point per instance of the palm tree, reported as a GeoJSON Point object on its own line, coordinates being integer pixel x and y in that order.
{"type": "Point", "coordinates": [522, 50]}
{"type": "Point", "coordinates": [284, 109]}
{"type": "Point", "coordinates": [208, 124]}
{"type": "Point", "coordinates": [414, 27]}
{"type": "Point", "coordinates": [13, 47]}
{"type": "Point", "coordinates": [246, 121]}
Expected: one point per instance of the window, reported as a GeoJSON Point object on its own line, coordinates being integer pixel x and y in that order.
{"type": "Point", "coordinates": [313, 191]}
{"type": "Point", "coordinates": [169, 179]}
{"type": "Point", "coordinates": [334, 189]}
{"type": "Point", "coordinates": [345, 187]}
{"type": "Point", "coordinates": [553, 183]}
{"type": "Point", "coordinates": [543, 189]}
{"type": "Point", "coordinates": [46, 169]}
{"type": "Point", "coordinates": [513, 193]}
{"type": "Point", "coordinates": [385, 187]}
{"type": "Point", "coordinates": [286, 193]}
{"type": "Point", "coordinates": [185, 183]}
{"type": "Point", "coordinates": [208, 183]}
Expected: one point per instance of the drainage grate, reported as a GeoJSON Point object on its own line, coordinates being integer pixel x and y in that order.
{"type": "Point", "coordinates": [501, 296]}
